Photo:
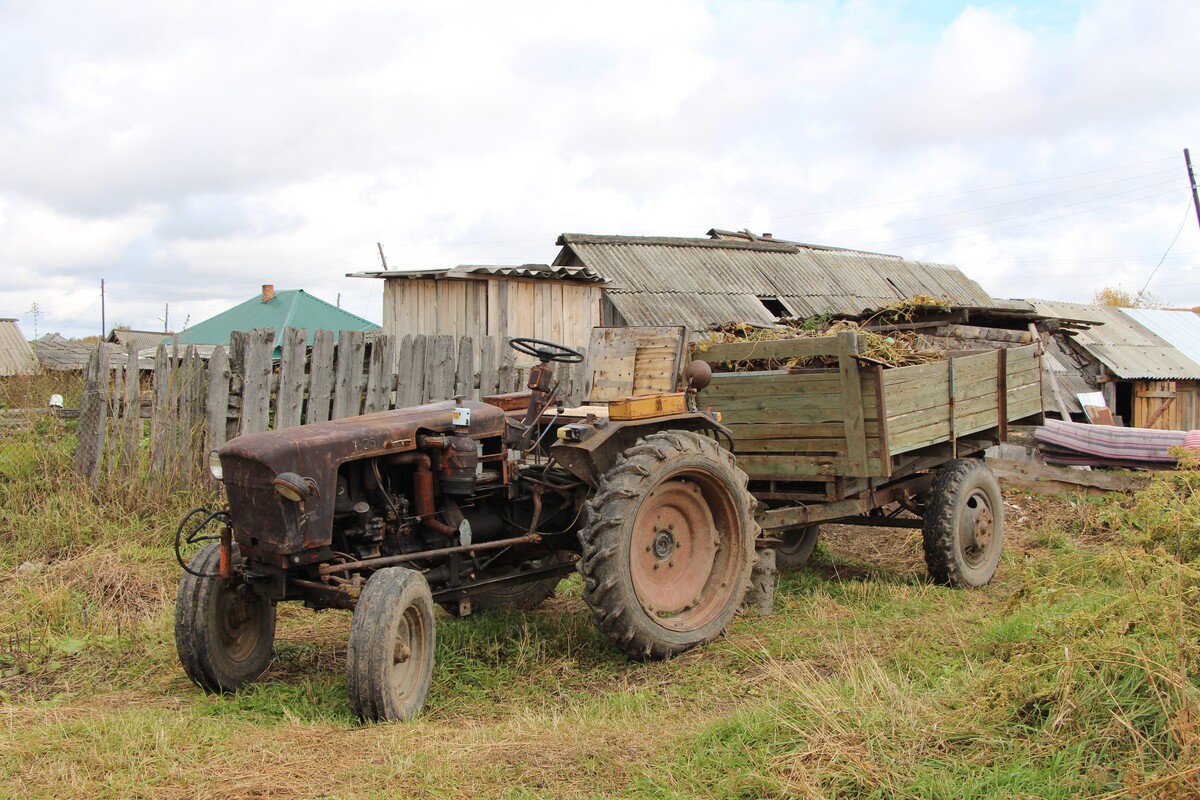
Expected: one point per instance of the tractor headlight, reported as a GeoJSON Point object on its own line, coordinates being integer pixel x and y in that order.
{"type": "Point", "coordinates": [291, 486]}
{"type": "Point", "coordinates": [214, 465]}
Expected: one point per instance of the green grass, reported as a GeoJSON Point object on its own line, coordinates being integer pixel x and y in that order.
{"type": "Point", "coordinates": [1074, 674]}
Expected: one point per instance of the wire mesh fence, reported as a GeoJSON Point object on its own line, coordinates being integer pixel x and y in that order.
{"type": "Point", "coordinates": [37, 419]}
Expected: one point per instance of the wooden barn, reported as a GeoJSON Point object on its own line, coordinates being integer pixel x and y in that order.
{"type": "Point", "coordinates": [1145, 362]}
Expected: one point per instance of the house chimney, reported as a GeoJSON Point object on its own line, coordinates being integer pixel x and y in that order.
{"type": "Point", "coordinates": [268, 292]}
{"type": "Point", "coordinates": [766, 236]}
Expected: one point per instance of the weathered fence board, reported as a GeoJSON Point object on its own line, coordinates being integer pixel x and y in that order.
{"type": "Point", "coordinates": [293, 356]}
{"type": "Point", "coordinates": [195, 407]}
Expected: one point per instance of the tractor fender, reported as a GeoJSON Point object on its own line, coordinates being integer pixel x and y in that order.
{"type": "Point", "coordinates": [589, 459]}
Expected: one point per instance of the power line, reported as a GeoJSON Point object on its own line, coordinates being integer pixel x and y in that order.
{"type": "Point", "coordinates": [1187, 212]}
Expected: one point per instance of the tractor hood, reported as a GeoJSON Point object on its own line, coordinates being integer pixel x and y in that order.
{"type": "Point", "coordinates": [264, 520]}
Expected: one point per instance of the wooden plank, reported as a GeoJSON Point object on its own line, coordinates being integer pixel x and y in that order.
{"type": "Point", "coordinates": [347, 397]}
{"type": "Point", "coordinates": [92, 412]}
{"type": "Point", "coordinates": [256, 380]}
{"type": "Point", "coordinates": [321, 377]}
{"type": "Point", "coordinates": [612, 364]}
{"type": "Point", "coordinates": [439, 368]}
{"type": "Point", "coordinates": [792, 467]}
{"type": "Point", "coordinates": [162, 430]}
{"type": "Point", "coordinates": [852, 401]}
{"type": "Point", "coordinates": [769, 430]}
{"type": "Point", "coordinates": [289, 400]}
{"type": "Point", "coordinates": [1063, 480]}
{"type": "Point", "coordinates": [184, 421]}
{"type": "Point", "coordinates": [772, 350]}
{"type": "Point", "coordinates": [464, 368]}
{"type": "Point", "coordinates": [801, 446]}
{"type": "Point", "coordinates": [217, 400]}
{"type": "Point", "coordinates": [132, 426]}
{"type": "Point", "coordinates": [489, 374]}
{"type": "Point", "coordinates": [381, 374]}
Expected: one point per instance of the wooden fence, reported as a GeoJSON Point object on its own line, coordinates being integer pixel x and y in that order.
{"type": "Point", "coordinates": [192, 406]}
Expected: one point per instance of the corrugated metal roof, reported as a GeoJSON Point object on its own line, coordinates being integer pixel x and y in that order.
{"type": "Point", "coordinates": [1127, 348]}
{"type": "Point", "coordinates": [701, 282]}
{"type": "Point", "coordinates": [1181, 329]}
{"type": "Point", "coordinates": [63, 355]}
{"type": "Point", "coordinates": [140, 339]}
{"type": "Point", "coordinates": [293, 308]}
{"type": "Point", "coordinates": [16, 357]}
{"type": "Point", "coordinates": [536, 271]}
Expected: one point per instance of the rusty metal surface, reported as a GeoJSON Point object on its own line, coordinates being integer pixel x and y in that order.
{"type": "Point", "coordinates": [316, 451]}
{"type": "Point", "coordinates": [590, 459]}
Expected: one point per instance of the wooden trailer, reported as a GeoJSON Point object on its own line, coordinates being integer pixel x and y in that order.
{"type": "Point", "coordinates": [862, 442]}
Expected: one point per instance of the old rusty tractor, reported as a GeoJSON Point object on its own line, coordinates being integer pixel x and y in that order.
{"type": "Point", "coordinates": [466, 505]}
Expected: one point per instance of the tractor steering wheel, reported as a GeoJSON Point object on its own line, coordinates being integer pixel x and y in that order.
{"type": "Point", "coordinates": [545, 351]}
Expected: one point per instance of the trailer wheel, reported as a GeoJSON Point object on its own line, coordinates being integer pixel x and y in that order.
{"type": "Point", "coordinates": [964, 524]}
{"type": "Point", "coordinates": [223, 632]}
{"type": "Point", "coordinates": [669, 545]}
{"type": "Point", "coordinates": [796, 547]}
{"type": "Point", "coordinates": [389, 661]}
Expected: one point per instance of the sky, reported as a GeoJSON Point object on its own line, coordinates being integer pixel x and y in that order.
{"type": "Point", "coordinates": [186, 153]}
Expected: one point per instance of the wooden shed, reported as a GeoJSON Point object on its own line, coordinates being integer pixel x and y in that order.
{"type": "Point", "coordinates": [559, 304]}
{"type": "Point", "coordinates": [1145, 362]}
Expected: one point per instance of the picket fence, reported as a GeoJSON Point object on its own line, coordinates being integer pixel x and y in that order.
{"type": "Point", "coordinates": [167, 420]}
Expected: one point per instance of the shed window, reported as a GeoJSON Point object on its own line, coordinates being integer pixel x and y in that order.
{"type": "Point", "coordinates": [774, 306]}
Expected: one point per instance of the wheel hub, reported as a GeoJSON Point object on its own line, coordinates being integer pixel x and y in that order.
{"type": "Point", "coordinates": [664, 545]}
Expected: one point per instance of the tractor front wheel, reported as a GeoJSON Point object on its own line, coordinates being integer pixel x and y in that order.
{"type": "Point", "coordinates": [389, 662]}
{"type": "Point", "coordinates": [223, 631]}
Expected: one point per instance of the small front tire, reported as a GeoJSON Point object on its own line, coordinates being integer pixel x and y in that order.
{"type": "Point", "coordinates": [389, 661]}
{"type": "Point", "coordinates": [223, 632]}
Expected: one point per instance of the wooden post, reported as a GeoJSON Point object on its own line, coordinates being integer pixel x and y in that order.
{"type": "Point", "coordinates": [162, 431]}
{"type": "Point", "coordinates": [217, 400]}
{"type": "Point", "coordinates": [953, 410]}
{"type": "Point", "coordinates": [464, 370]}
{"type": "Point", "coordinates": [320, 369]}
{"type": "Point", "coordinates": [256, 380]}
{"type": "Point", "coordinates": [1002, 392]}
{"type": "Point", "coordinates": [852, 404]}
{"type": "Point", "coordinates": [380, 376]}
{"type": "Point", "coordinates": [487, 366]}
{"type": "Point", "coordinates": [347, 396]}
{"type": "Point", "coordinates": [131, 427]}
{"type": "Point", "coordinates": [90, 429]}
{"type": "Point", "coordinates": [289, 400]}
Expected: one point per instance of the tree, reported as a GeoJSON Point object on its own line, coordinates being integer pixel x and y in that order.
{"type": "Point", "coordinates": [1116, 296]}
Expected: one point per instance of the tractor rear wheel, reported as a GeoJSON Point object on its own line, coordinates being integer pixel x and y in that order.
{"type": "Point", "coordinates": [669, 545]}
{"type": "Point", "coordinates": [389, 661]}
{"type": "Point", "coordinates": [223, 632]}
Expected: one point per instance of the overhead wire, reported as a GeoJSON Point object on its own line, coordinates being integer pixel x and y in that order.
{"type": "Point", "coordinates": [1187, 212]}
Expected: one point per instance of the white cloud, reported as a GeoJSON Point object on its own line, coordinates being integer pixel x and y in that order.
{"type": "Point", "coordinates": [189, 152]}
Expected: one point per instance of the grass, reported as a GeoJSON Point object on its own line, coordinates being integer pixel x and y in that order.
{"type": "Point", "coordinates": [1073, 675]}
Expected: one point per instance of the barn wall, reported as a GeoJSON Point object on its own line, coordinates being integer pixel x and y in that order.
{"type": "Point", "coordinates": [558, 311]}
{"type": "Point", "coordinates": [1166, 405]}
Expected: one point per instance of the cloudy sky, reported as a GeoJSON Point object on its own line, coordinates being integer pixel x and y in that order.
{"type": "Point", "coordinates": [188, 152]}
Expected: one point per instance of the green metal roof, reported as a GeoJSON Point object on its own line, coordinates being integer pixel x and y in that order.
{"type": "Point", "coordinates": [291, 308]}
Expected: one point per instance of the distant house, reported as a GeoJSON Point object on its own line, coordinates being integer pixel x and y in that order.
{"type": "Point", "coordinates": [141, 340]}
{"type": "Point", "coordinates": [292, 308]}
{"type": "Point", "coordinates": [1145, 362]}
{"type": "Point", "coordinates": [54, 352]}
{"type": "Point", "coordinates": [16, 357]}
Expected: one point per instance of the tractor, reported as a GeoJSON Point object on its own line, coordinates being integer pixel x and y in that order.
{"type": "Point", "coordinates": [467, 505]}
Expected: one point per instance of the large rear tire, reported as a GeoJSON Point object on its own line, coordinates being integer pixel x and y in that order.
{"type": "Point", "coordinates": [669, 545]}
{"type": "Point", "coordinates": [223, 632]}
{"type": "Point", "coordinates": [964, 524]}
{"type": "Point", "coordinates": [389, 661]}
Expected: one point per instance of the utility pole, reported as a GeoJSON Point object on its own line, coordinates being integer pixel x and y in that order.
{"type": "Point", "coordinates": [339, 304]}
{"type": "Point", "coordinates": [166, 317]}
{"type": "Point", "coordinates": [1187, 157]}
{"type": "Point", "coordinates": [103, 324]}
{"type": "Point", "coordinates": [381, 256]}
